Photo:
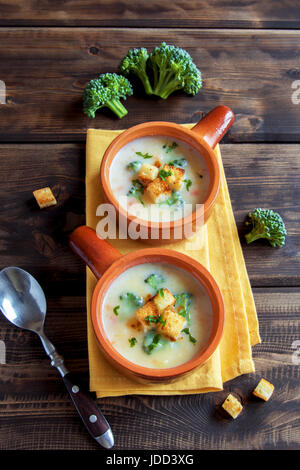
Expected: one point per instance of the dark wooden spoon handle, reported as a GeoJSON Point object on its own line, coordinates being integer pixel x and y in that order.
{"type": "Point", "coordinates": [89, 412]}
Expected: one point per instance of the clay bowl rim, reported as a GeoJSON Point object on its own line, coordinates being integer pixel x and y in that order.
{"type": "Point", "coordinates": [177, 259]}
{"type": "Point", "coordinates": [192, 138]}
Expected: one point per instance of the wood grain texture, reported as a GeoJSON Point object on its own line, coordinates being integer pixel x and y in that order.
{"type": "Point", "coordinates": [153, 13]}
{"type": "Point", "coordinates": [37, 240]}
{"type": "Point", "coordinates": [37, 413]}
{"type": "Point", "coordinates": [46, 69]}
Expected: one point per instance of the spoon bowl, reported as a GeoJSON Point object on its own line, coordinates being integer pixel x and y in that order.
{"type": "Point", "coordinates": [22, 299]}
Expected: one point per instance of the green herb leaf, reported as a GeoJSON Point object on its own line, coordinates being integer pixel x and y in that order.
{"type": "Point", "coordinates": [134, 166]}
{"type": "Point", "coordinates": [169, 148]}
{"type": "Point", "coordinates": [182, 162]}
{"type": "Point", "coordinates": [188, 184]}
{"type": "Point", "coordinates": [132, 342]}
{"type": "Point", "coordinates": [153, 319]}
{"type": "Point", "coordinates": [187, 332]}
{"type": "Point", "coordinates": [115, 310]}
{"type": "Point", "coordinates": [161, 321]}
{"type": "Point", "coordinates": [161, 292]}
{"type": "Point", "coordinates": [163, 174]}
{"type": "Point", "coordinates": [136, 190]}
{"type": "Point", "coordinates": [154, 280]}
{"type": "Point", "coordinates": [144, 155]}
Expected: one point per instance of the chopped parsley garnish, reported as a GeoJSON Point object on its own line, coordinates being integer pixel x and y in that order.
{"type": "Point", "coordinates": [115, 310]}
{"type": "Point", "coordinates": [188, 184]}
{"type": "Point", "coordinates": [144, 155]}
{"type": "Point", "coordinates": [154, 280]}
{"type": "Point", "coordinates": [163, 174]}
{"type": "Point", "coordinates": [136, 190]}
{"type": "Point", "coordinates": [153, 319]}
{"type": "Point", "coordinates": [132, 299]}
{"type": "Point", "coordinates": [180, 162]}
{"type": "Point", "coordinates": [134, 166]}
{"type": "Point", "coordinates": [169, 148]}
{"type": "Point", "coordinates": [187, 332]}
{"type": "Point", "coordinates": [161, 292]}
{"type": "Point", "coordinates": [132, 342]}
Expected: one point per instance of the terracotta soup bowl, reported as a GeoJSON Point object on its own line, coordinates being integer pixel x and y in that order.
{"type": "Point", "coordinates": [107, 264]}
{"type": "Point", "coordinates": [202, 138]}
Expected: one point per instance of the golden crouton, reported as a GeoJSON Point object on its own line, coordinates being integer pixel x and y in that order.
{"type": "Point", "coordinates": [158, 190]}
{"type": "Point", "coordinates": [176, 178]}
{"type": "Point", "coordinates": [147, 173]}
{"type": "Point", "coordinates": [263, 390]}
{"type": "Point", "coordinates": [232, 406]}
{"type": "Point", "coordinates": [44, 197]}
{"type": "Point", "coordinates": [145, 311]}
{"type": "Point", "coordinates": [163, 299]}
{"type": "Point", "coordinates": [171, 323]}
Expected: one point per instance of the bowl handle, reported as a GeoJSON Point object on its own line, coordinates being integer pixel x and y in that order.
{"type": "Point", "coordinates": [214, 125]}
{"type": "Point", "coordinates": [97, 253]}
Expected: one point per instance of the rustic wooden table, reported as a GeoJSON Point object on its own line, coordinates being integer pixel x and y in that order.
{"type": "Point", "coordinates": [249, 54]}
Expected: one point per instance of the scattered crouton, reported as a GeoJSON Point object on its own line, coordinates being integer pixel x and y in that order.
{"type": "Point", "coordinates": [158, 190]}
{"type": "Point", "coordinates": [44, 197]}
{"type": "Point", "coordinates": [232, 406]}
{"type": "Point", "coordinates": [145, 311]}
{"type": "Point", "coordinates": [176, 178]}
{"type": "Point", "coordinates": [163, 299]}
{"type": "Point", "coordinates": [263, 390]}
{"type": "Point", "coordinates": [147, 173]}
{"type": "Point", "coordinates": [171, 323]}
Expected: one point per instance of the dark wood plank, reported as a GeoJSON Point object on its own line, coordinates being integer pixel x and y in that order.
{"type": "Point", "coordinates": [38, 240]}
{"type": "Point", "coordinates": [36, 412]}
{"type": "Point", "coordinates": [258, 175]}
{"type": "Point", "coordinates": [266, 176]}
{"type": "Point", "coordinates": [153, 13]}
{"type": "Point", "coordinates": [45, 71]}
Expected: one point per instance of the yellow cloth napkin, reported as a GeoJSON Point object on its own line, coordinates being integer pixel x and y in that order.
{"type": "Point", "coordinates": [221, 253]}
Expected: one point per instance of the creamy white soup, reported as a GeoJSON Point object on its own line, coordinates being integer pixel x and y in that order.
{"type": "Point", "coordinates": [159, 178]}
{"type": "Point", "coordinates": [156, 315]}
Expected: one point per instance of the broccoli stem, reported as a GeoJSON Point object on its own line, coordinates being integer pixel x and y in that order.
{"type": "Point", "coordinates": [166, 85]}
{"type": "Point", "coordinates": [146, 82]}
{"type": "Point", "coordinates": [117, 107]}
{"type": "Point", "coordinates": [251, 236]}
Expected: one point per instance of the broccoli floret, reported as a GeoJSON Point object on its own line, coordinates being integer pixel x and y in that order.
{"type": "Point", "coordinates": [132, 299]}
{"type": "Point", "coordinates": [173, 69]}
{"type": "Point", "coordinates": [136, 62]}
{"type": "Point", "coordinates": [154, 280]}
{"type": "Point", "coordinates": [266, 224]}
{"type": "Point", "coordinates": [106, 91]}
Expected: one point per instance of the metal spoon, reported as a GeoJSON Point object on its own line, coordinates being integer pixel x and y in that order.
{"type": "Point", "coordinates": [23, 302]}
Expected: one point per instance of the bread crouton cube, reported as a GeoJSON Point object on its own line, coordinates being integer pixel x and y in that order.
{"type": "Point", "coordinates": [147, 310]}
{"type": "Point", "coordinates": [171, 323]}
{"type": "Point", "coordinates": [176, 178]}
{"type": "Point", "coordinates": [147, 173]}
{"type": "Point", "coordinates": [158, 190]}
{"type": "Point", "coordinates": [44, 197]}
{"type": "Point", "coordinates": [232, 406]}
{"type": "Point", "coordinates": [163, 299]}
{"type": "Point", "coordinates": [263, 390]}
